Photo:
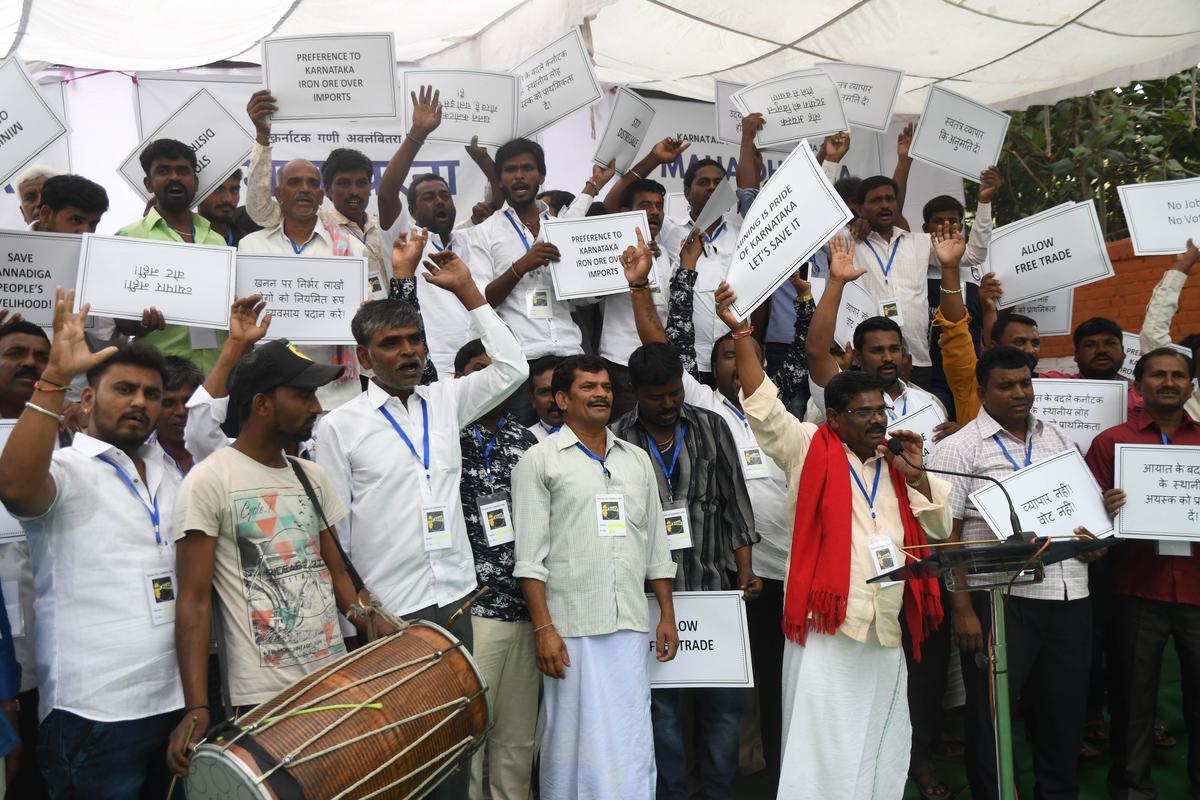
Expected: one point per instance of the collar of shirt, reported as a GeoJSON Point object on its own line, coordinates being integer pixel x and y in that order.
{"type": "Point", "coordinates": [1144, 422]}
{"type": "Point", "coordinates": [566, 438]}
{"type": "Point", "coordinates": [378, 396]}
{"type": "Point", "coordinates": [898, 234]}
{"type": "Point", "coordinates": [986, 427]}
{"type": "Point", "coordinates": [153, 220]}
{"type": "Point", "coordinates": [277, 233]}
{"type": "Point", "coordinates": [338, 218]}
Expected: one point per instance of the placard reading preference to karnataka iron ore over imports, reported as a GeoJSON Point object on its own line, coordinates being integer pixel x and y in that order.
{"type": "Point", "coordinates": [350, 76]}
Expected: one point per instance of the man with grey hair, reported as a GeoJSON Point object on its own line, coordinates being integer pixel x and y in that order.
{"type": "Point", "coordinates": [29, 189]}
{"type": "Point", "coordinates": [393, 456]}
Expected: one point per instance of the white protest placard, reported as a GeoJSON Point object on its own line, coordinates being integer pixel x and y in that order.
{"type": "Point", "coordinates": [1162, 491]}
{"type": "Point", "coordinates": [857, 306]}
{"type": "Point", "coordinates": [868, 93]}
{"type": "Point", "coordinates": [628, 120]}
{"type": "Point", "coordinates": [591, 249]}
{"type": "Point", "coordinates": [1161, 216]}
{"type": "Point", "coordinates": [799, 105]}
{"type": "Point", "coordinates": [219, 141]}
{"type": "Point", "coordinates": [720, 201]}
{"type": "Point", "coordinates": [1052, 312]}
{"type": "Point", "coordinates": [311, 299]}
{"type": "Point", "coordinates": [1052, 497]}
{"type": "Point", "coordinates": [474, 103]}
{"type": "Point", "coordinates": [27, 123]}
{"type": "Point", "coordinates": [1081, 408]}
{"type": "Point", "coordinates": [1057, 249]}
{"type": "Point", "coordinates": [342, 76]}
{"type": "Point", "coordinates": [795, 214]}
{"type": "Point", "coordinates": [958, 135]}
{"type": "Point", "coordinates": [34, 265]}
{"type": "Point", "coordinates": [554, 82]}
{"type": "Point", "coordinates": [729, 116]}
{"type": "Point", "coordinates": [191, 284]}
{"type": "Point", "coordinates": [714, 642]}
{"type": "Point", "coordinates": [921, 422]}
{"type": "Point", "coordinates": [10, 529]}
{"type": "Point", "coordinates": [1133, 351]}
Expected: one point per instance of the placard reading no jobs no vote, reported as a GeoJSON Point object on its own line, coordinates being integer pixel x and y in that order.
{"type": "Point", "coordinates": [349, 76]}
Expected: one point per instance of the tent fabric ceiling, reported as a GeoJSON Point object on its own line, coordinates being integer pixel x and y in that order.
{"type": "Point", "coordinates": [1009, 54]}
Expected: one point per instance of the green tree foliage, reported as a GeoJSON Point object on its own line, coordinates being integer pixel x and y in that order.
{"type": "Point", "coordinates": [1085, 147]}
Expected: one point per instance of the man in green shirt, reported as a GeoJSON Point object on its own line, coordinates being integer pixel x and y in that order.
{"type": "Point", "coordinates": [171, 176]}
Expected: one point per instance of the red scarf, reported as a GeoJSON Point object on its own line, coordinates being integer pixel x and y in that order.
{"type": "Point", "coordinates": [818, 582]}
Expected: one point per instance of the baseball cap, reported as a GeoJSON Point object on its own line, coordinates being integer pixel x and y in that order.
{"type": "Point", "coordinates": [278, 363]}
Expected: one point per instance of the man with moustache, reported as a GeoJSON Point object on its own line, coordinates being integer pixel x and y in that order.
{"type": "Point", "coordinates": [257, 527]}
{"type": "Point", "coordinates": [508, 256]}
{"type": "Point", "coordinates": [591, 537]}
{"type": "Point", "coordinates": [170, 168]}
{"type": "Point", "coordinates": [220, 207]}
{"type": "Point", "coordinates": [400, 439]}
{"type": "Point", "coordinates": [97, 516]}
{"type": "Point", "coordinates": [1156, 595]}
{"type": "Point", "coordinates": [301, 232]}
{"type": "Point", "coordinates": [70, 204]}
{"type": "Point", "coordinates": [844, 669]}
{"type": "Point", "coordinates": [541, 393]}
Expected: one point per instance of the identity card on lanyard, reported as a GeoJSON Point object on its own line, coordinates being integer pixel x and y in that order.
{"type": "Point", "coordinates": [495, 511]}
{"type": "Point", "coordinates": [537, 301]}
{"type": "Point", "coordinates": [159, 575]}
{"type": "Point", "coordinates": [889, 307]}
{"type": "Point", "coordinates": [754, 464]}
{"type": "Point", "coordinates": [434, 516]}
{"type": "Point", "coordinates": [884, 555]}
{"type": "Point", "coordinates": [675, 512]}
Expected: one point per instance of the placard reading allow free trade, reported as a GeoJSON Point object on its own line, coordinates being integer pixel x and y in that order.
{"type": "Point", "coordinates": [311, 299]}
{"type": "Point", "coordinates": [554, 82]}
{"type": "Point", "coordinates": [591, 249]}
{"type": "Point", "coordinates": [35, 264]}
{"type": "Point", "coordinates": [27, 123]}
{"type": "Point", "coordinates": [959, 135]}
{"type": "Point", "coordinates": [1057, 249]}
{"type": "Point", "coordinates": [714, 642]}
{"type": "Point", "coordinates": [219, 141]}
{"type": "Point", "coordinates": [474, 103]}
{"type": "Point", "coordinates": [344, 76]}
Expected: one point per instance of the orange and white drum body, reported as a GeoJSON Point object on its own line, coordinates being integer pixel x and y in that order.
{"type": "Point", "coordinates": [390, 720]}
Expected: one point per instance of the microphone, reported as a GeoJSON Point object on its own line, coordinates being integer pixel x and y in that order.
{"type": "Point", "coordinates": [896, 447]}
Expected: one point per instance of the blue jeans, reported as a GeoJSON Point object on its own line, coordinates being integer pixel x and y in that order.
{"type": "Point", "coordinates": [81, 758]}
{"type": "Point", "coordinates": [718, 713]}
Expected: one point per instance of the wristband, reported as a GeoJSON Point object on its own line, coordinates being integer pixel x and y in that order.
{"type": "Point", "coordinates": [634, 174]}
{"type": "Point", "coordinates": [53, 388]}
{"type": "Point", "coordinates": [44, 379]}
{"type": "Point", "coordinates": [416, 139]}
{"type": "Point", "coordinates": [591, 183]}
{"type": "Point", "coordinates": [44, 411]}
{"type": "Point", "coordinates": [543, 627]}
{"type": "Point", "coordinates": [743, 334]}
{"type": "Point", "coordinates": [196, 708]}
{"type": "Point", "coordinates": [642, 285]}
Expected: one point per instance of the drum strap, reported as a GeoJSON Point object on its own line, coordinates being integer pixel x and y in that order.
{"type": "Point", "coordinates": [312, 498]}
{"type": "Point", "coordinates": [281, 781]}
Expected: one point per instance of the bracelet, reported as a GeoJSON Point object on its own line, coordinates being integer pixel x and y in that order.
{"type": "Point", "coordinates": [743, 334]}
{"type": "Point", "coordinates": [44, 379]}
{"type": "Point", "coordinates": [44, 411]}
{"type": "Point", "coordinates": [591, 183]}
{"type": "Point", "coordinates": [196, 708]}
{"type": "Point", "coordinates": [37, 385]}
{"type": "Point", "coordinates": [513, 268]}
{"type": "Point", "coordinates": [543, 627]}
{"type": "Point", "coordinates": [634, 174]}
{"type": "Point", "coordinates": [416, 139]}
{"type": "Point", "coordinates": [642, 285]}
{"type": "Point", "coordinates": [950, 291]}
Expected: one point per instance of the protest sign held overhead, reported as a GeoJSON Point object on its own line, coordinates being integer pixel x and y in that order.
{"type": "Point", "coordinates": [591, 249]}
{"type": "Point", "coordinates": [958, 135]}
{"type": "Point", "coordinates": [27, 123]}
{"type": "Point", "coordinates": [729, 116]}
{"type": "Point", "coordinates": [868, 93]}
{"type": "Point", "coordinates": [1057, 249]}
{"type": "Point", "coordinates": [311, 299]}
{"type": "Point", "coordinates": [345, 76]}
{"type": "Point", "coordinates": [1162, 216]}
{"type": "Point", "coordinates": [800, 105]}
{"type": "Point", "coordinates": [628, 121]}
{"type": "Point", "coordinates": [474, 103]}
{"type": "Point", "coordinates": [554, 82]}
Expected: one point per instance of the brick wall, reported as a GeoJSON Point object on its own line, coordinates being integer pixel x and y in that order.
{"type": "Point", "coordinates": [1123, 298]}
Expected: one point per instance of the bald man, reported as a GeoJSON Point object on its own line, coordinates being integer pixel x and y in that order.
{"type": "Point", "coordinates": [300, 232]}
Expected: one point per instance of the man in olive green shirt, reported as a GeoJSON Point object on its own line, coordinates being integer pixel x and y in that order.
{"type": "Point", "coordinates": [171, 176]}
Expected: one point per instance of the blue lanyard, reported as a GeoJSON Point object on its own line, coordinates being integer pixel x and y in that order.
{"type": "Point", "coordinates": [549, 429]}
{"type": "Point", "coordinates": [517, 228]}
{"type": "Point", "coordinates": [737, 413]}
{"type": "Point", "coordinates": [425, 423]}
{"type": "Point", "coordinates": [594, 457]}
{"type": "Point", "coordinates": [487, 448]}
{"type": "Point", "coordinates": [870, 498]}
{"type": "Point", "coordinates": [654, 451]}
{"type": "Point", "coordinates": [891, 258]}
{"type": "Point", "coordinates": [296, 250]}
{"type": "Point", "coordinates": [903, 409]}
{"type": "Point", "coordinates": [228, 237]}
{"type": "Point", "coordinates": [715, 235]}
{"type": "Point", "coordinates": [151, 510]}
{"type": "Point", "coordinates": [179, 467]}
{"type": "Point", "coordinates": [1011, 460]}
{"type": "Point", "coordinates": [1164, 437]}
{"type": "Point", "coordinates": [450, 246]}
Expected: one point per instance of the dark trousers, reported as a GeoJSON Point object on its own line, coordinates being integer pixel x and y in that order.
{"type": "Point", "coordinates": [717, 713]}
{"type": "Point", "coordinates": [84, 759]}
{"type": "Point", "coordinates": [1140, 629]}
{"type": "Point", "coordinates": [926, 688]}
{"type": "Point", "coordinates": [28, 782]}
{"type": "Point", "coordinates": [624, 400]}
{"type": "Point", "coordinates": [764, 617]}
{"type": "Point", "coordinates": [1049, 654]}
{"type": "Point", "coordinates": [458, 784]}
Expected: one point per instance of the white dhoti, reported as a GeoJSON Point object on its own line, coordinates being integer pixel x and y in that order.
{"type": "Point", "coordinates": [598, 743]}
{"type": "Point", "coordinates": [846, 731]}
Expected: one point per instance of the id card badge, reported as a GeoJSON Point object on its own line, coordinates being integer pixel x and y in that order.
{"type": "Point", "coordinates": [376, 286]}
{"type": "Point", "coordinates": [890, 308]}
{"type": "Point", "coordinates": [160, 591]}
{"type": "Point", "coordinates": [610, 515]}
{"type": "Point", "coordinates": [537, 304]}
{"type": "Point", "coordinates": [679, 530]}
{"type": "Point", "coordinates": [436, 528]}
{"type": "Point", "coordinates": [884, 557]}
{"type": "Point", "coordinates": [495, 514]}
{"type": "Point", "coordinates": [754, 463]}
{"type": "Point", "coordinates": [202, 338]}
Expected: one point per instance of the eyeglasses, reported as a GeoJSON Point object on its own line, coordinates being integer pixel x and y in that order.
{"type": "Point", "coordinates": [864, 414]}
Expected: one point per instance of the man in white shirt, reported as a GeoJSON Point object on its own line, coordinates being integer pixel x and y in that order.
{"type": "Point", "coordinates": [394, 457]}
{"type": "Point", "coordinates": [98, 519]}
{"type": "Point", "coordinates": [300, 231]}
{"type": "Point", "coordinates": [510, 258]}
{"type": "Point", "coordinates": [549, 415]}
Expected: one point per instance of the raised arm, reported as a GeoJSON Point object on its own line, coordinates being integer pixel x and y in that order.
{"type": "Point", "coordinates": [487, 166]}
{"type": "Point", "coordinates": [1164, 301]}
{"type": "Point", "coordinates": [426, 116]}
{"type": "Point", "coordinates": [681, 321]}
{"type": "Point", "coordinates": [26, 487]}
{"type": "Point", "coordinates": [748, 175]}
{"type": "Point", "coordinates": [260, 203]}
{"type": "Point", "coordinates": [637, 263]}
{"type": "Point", "coordinates": [406, 255]}
{"type": "Point", "coordinates": [793, 373]}
{"type": "Point", "coordinates": [664, 152]}
{"type": "Point", "coordinates": [821, 364]}
{"type": "Point", "coordinates": [900, 175]}
{"type": "Point", "coordinates": [981, 229]}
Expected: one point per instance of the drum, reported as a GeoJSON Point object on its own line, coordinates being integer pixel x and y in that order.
{"type": "Point", "coordinates": [391, 719]}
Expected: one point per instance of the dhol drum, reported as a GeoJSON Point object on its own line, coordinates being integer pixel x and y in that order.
{"type": "Point", "coordinates": [390, 720]}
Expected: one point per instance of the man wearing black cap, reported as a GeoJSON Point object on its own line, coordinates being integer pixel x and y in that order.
{"type": "Point", "coordinates": [259, 527]}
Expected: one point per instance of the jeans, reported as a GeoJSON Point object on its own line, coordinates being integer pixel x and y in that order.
{"type": "Point", "coordinates": [81, 758]}
{"type": "Point", "coordinates": [718, 713]}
